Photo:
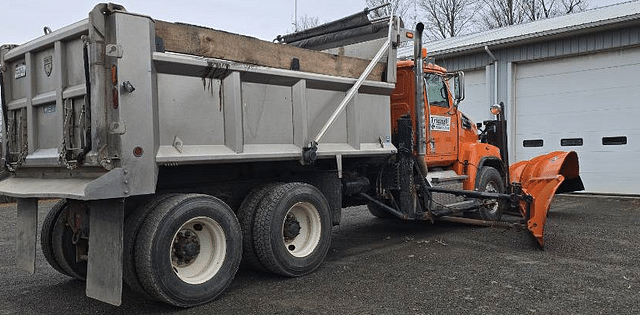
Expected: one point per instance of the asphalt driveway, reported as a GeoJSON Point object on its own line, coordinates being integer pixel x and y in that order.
{"type": "Point", "coordinates": [590, 265]}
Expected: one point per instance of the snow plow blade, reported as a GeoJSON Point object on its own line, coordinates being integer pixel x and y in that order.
{"type": "Point", "coordinates": [541, 178]}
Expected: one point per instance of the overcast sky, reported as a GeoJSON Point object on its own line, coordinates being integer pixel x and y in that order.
{"type": "Point", "coordinates": [24, 20]}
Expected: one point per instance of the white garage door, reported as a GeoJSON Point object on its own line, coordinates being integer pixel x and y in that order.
{"type": "Point", "coordinates": [476, 102]}
{"type": "Point", "coordinates": [589, 104]}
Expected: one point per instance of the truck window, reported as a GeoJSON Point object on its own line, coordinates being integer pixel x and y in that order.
{"type": "Point", "coordinates": [436, 90]}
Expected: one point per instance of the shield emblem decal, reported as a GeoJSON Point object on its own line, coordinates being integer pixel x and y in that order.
{"type": "Point", "coordinates": [48, 65]}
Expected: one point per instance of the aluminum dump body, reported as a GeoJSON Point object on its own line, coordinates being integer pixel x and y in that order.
{"type": "Point", "coordinates": [93, 110]}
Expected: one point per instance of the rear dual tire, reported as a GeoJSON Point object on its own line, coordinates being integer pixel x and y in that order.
{"type": "Point", "coordinates": [56, 240]}
{"type": "Point", "coordinates": [131, 230]}
{"type": "Point", "coordinates": [292, 229]}
{"type": "Point", "coordinates": [188, 250]}
{"type": "Point", "coordinates": [246, 217]}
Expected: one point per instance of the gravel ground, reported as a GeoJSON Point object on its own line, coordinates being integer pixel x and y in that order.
{"type": "Point", "coordinates": [590, 265]}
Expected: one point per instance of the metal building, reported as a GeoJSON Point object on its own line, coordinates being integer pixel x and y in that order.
{"type": "Point", "coordinates": [568, 83]}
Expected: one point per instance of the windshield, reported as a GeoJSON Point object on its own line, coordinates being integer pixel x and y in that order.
{"type": "Point", "coordinates": [436, 90]}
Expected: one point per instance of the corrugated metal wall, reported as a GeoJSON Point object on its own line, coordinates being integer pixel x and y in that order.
{"type": "Point", "coordinates": [574, 44]}
{"type": "Point", "coordinates": [547, 48]}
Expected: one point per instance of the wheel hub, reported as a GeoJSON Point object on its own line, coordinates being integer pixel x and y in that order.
{"type": "Point", "coordinates": [291, 227]}
{"type": "Point", "coordinates": [186, 247]}
{"type": "Point", "coordinates": [491, 205]}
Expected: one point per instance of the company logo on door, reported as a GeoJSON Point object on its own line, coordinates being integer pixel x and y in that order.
{"type": "Point", "coordinates": [440, 123]}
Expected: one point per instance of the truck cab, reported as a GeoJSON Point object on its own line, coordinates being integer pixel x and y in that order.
{"type": "Point", "coordinates": [454, 153]}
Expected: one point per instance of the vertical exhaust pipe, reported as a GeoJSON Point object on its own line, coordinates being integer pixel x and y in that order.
{"type": "Point", "coordinates": [421, 130]}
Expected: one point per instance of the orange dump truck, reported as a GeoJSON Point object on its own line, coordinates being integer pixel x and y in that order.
{"type": "Point", "coordinates": [179, 152]}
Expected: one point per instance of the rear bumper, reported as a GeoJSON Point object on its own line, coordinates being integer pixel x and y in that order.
{"type": "Point", "coordinates": [110, 185]}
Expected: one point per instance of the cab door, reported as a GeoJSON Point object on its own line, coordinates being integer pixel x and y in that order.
{"type": "Point", "coordinates": [442, 137]}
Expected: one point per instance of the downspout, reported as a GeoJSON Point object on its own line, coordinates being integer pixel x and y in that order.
{"type": "Point", "coordinates": [504, 152]}
{"type": "Point", "coordinates": [421, 130]}
{"type": "Point", "coordinates": [495, 73]}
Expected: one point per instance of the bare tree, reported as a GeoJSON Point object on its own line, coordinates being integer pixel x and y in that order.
{"type": "Point", "coordinates": [544, 9]}
{"type": "Point", "coordinates": [304, 22]}
{"type": "Point", "coordinates": [448, 18]}
{"type": "Point", "coordinates": [548, 8]}
{"type": "Point", "coordinates": [500, 13]}
{"type": "Point", "coordinates": [398, 7]}
{"type": "Point", "coordinates": [539, 9]}
{"type": "Point", "coordinates": [572, 6]}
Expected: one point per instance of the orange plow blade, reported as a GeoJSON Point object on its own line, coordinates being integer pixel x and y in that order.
{"type": "Point", "coordinates": [541, 178]}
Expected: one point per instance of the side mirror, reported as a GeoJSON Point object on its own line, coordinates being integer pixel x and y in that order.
{"type": "Point", "coordinates": [458, 86]}
{"type": "Point", "coordinates": [496, 109]}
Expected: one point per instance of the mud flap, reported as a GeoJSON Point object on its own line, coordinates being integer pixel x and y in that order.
{"type": "Point", "coordinates": [27, 226]}
{"type": "Point", "coordinates": [104, 269]}
{"type": "Point", "coordinates": [541, 178]}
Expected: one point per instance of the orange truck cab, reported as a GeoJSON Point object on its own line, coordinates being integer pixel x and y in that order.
{"type": "Point", "coordinates": [453, 139]}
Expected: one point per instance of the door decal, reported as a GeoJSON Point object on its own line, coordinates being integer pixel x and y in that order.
{"type": "Point", "coordinates": [440, 123]}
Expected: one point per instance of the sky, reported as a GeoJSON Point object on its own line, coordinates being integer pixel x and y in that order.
{"type": "Point", "coordinates": [265, 19]}
{"type": "Point", "coordinates": [24, 20]}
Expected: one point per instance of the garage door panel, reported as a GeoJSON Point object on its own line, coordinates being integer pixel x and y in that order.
{"type": "Point", "coordinates": [476, 103]}
{"type": "Point", "coordinates": [615, 183]}
{"type": "Point", "coordinates": [620, 58]}
{"type": "Point", "coordinates": [620, 97]}
{"type": "Point", "coordinates": [598, 172]}
{"type": "Point", "coordinates": [612, 98]}
{"type": "Point", "coordinates": [593, 101]}
{"type": "Point", "coordinates": [596, 81]}
{"type": "Point", "coordinates": [590, 143]}
{"type": "Point", "coordinates": [565, 121]}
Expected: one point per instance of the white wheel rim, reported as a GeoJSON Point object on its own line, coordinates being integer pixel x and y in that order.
{"type": "Point", "coordinates": [310, 229]}
{"type": "Point", "coordinates": [199, 266]}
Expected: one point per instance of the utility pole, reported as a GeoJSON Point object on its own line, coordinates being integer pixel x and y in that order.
{"type": "Point", "coordinates": [295, 15]}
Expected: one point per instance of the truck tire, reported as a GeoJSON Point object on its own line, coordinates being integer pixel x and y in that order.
{"type": "Point", "coordinates": [246, 216]}
{"type": "Point", "coordinates": [292, 229]}
{"type": "Point", "coordinates": [131, 229]}
{"type": "Point", "coordinates": [378, 212]}
{"type": "Point", "coordinates": [489, 180]}
{"type": "Point", "coordinates": [46, 235]}
{"type": "Point", "coordinates": [188, 250]}
{"type": "Point", "coordinates": [64, 251]}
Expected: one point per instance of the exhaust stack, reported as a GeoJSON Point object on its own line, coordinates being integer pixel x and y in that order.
{"type": "Point", "coordinates": [421, 141]}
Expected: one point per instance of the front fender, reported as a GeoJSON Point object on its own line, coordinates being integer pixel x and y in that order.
{"type": "Point", "coordinates": [476, 155]}
{"type": "Point", "coordinates": [541, 178]}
